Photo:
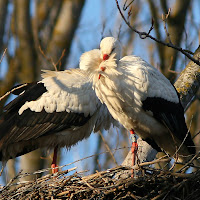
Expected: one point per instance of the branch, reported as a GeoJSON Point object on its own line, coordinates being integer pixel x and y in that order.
{"type": "Point", "coordinates": [188, 83]}
{"type": "Point", "coordinates": [144, 35]}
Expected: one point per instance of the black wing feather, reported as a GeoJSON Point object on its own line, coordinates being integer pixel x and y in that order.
{"type": "Point", "coordinates": [31, 125]}
{"type": "Point", "coordinates": [172, 116]}
{"type": "Point", "coordinates": [33, 91]}
{"type": "Point", "coordinates": [18, 89]}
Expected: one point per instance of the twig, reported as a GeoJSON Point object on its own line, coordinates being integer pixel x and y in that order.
{"type": "Point", "coordinates": [63, 193]}
{"type": "Point", "coordinates": [188, 163]}
{"type": "Point", "coordinates": [107, 147]}
{"type": "Point", "coordinates": [48, 59]}
{"type": "Point", "coordinates": [3, 55]}
{"type": "Point", "coordinates": [9, 92]}
{"type": "Point", "coordinates": [164, 18]}
{"type": "Point", "coordinates": [125, 7]}
{"type": "Point", "coordinates": [61, 57]}
{"type": "Point", "coordinates": [196, 134]}
{"type": "Point", "coordinates": [176, 153]}
{"type": "Point", "coordinates": [87, 183]}
{"type": "Point", "coordinates": [153, 162]}
{"type": "Point", "coordinates": [175, 186]}
{"type": "Point", "coordinates": [162, 172]}
{"type": "Point", "coordinates": [170, 66]}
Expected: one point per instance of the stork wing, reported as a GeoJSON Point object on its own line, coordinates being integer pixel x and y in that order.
{"type": "Point", "coordinates": [163, 100]}
{"type": "Point", "coordinates": [172, 116]}
{"type": "Point", "coordinates": [62, 100]}
{"type": "Point", "coordinates": [157, 95]}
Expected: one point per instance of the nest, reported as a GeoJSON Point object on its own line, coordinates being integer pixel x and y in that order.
{"type": "Point", "coordinates": [150, 184]}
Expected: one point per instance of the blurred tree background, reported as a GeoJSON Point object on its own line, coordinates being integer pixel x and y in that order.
{"type": "Point", "coordinates": [34, 33]}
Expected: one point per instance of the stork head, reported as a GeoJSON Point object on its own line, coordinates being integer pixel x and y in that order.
{"type": "Point", "coordinates": [90, 60]}
{"type": "Point", "coordinates": [110, 53]}
{"type": "Point", "coordinates": [110, 46]}
{"type": "Point", "coordinates": [99, 61]}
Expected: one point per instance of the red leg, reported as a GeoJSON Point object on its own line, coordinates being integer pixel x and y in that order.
{"type": "Point", "coordinates": [53, 165]}
{"type": "Point", "coordinates": [134, 147]}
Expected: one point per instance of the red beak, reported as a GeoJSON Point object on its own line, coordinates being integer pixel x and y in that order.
{"type": "Point", "coordinates": [105, 57]}
{"type": "Point", "coordinates": [102, 69]}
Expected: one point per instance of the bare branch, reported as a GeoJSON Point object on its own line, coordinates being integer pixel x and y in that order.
{"type": "Point", "coordinates": [189, 81]}
{"type": "Point", "coordinates": [11, 91]}
{"type": "Point", "coordinates": [144, 35]}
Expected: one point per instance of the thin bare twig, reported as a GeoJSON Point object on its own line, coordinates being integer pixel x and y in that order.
{"type": "Point", "coordinates": [48, 59]}
{"type": "Point", "coordinates": [51, 59]}
{"type": "Point", "coordinates": [108, 148]}
{"type": "Point", "coordinates": [61, 57]}
{"type": "Point", "coordinates": [177, 149]}
{"type": "Point", "coordinates": [170, 66]}
{"type": "Point", "coordinates": [12, 90]}
{"type": "Point", "coordinates": [190, 162]}
{"type": "Point", "coordinates": [196, 134]}
{"type": "Point", "coordinates": [164, 19]}
{"type": "Point", "coordinates": [127, 6]}
{"type": "Point", "coordinates": [152, 162]}
{"type": "Point", "coordinates": [3, 55]}
{"type": "Point", "coordinates": [87, 183]}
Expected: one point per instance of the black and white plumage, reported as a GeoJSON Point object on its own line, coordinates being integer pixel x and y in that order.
{"type": "Point", "coordinates": [141, 99]}
{"type": "Point", "coordinates": [57, 111]}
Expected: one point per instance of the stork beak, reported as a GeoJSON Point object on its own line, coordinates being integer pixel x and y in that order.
{"type": "Point", "coordinates": [102, 69]}
{"type": "Point", "coordinates": [105, 56]}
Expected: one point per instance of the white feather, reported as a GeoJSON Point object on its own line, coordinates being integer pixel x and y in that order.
{"type": "Point", "coordinates": [66, 91]}
{"type": "Point", "coordinates": [125, 84]}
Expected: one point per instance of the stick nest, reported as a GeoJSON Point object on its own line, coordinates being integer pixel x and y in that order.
{"type": "Point", "coordinates": [150, 184]}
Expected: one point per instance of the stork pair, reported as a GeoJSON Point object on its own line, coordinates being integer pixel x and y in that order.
{"type": "Point", "coordinates": [65, 107]}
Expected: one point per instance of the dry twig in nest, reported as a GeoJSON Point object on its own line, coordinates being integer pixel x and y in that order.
{"type": "Point", "coordinates": [153, 184]}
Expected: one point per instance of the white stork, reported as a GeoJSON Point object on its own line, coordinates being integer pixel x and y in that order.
{"type": "Point", "coordinates": [57, 111]}
{"type": "Point", "coordinates": [142, 99]}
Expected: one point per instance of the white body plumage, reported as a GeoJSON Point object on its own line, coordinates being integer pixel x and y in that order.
{"type": "Point", "coordinates": [58, 111]}
{"type": "Point", "coordinates": [141, 99]}
{"type": "Point", "coordinates": [126, 85]}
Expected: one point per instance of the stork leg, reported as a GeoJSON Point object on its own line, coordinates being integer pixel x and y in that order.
{"type": "Point", "coordinates": [53, 165]}
{"type": "Point", "coordinates": [134, 147]}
